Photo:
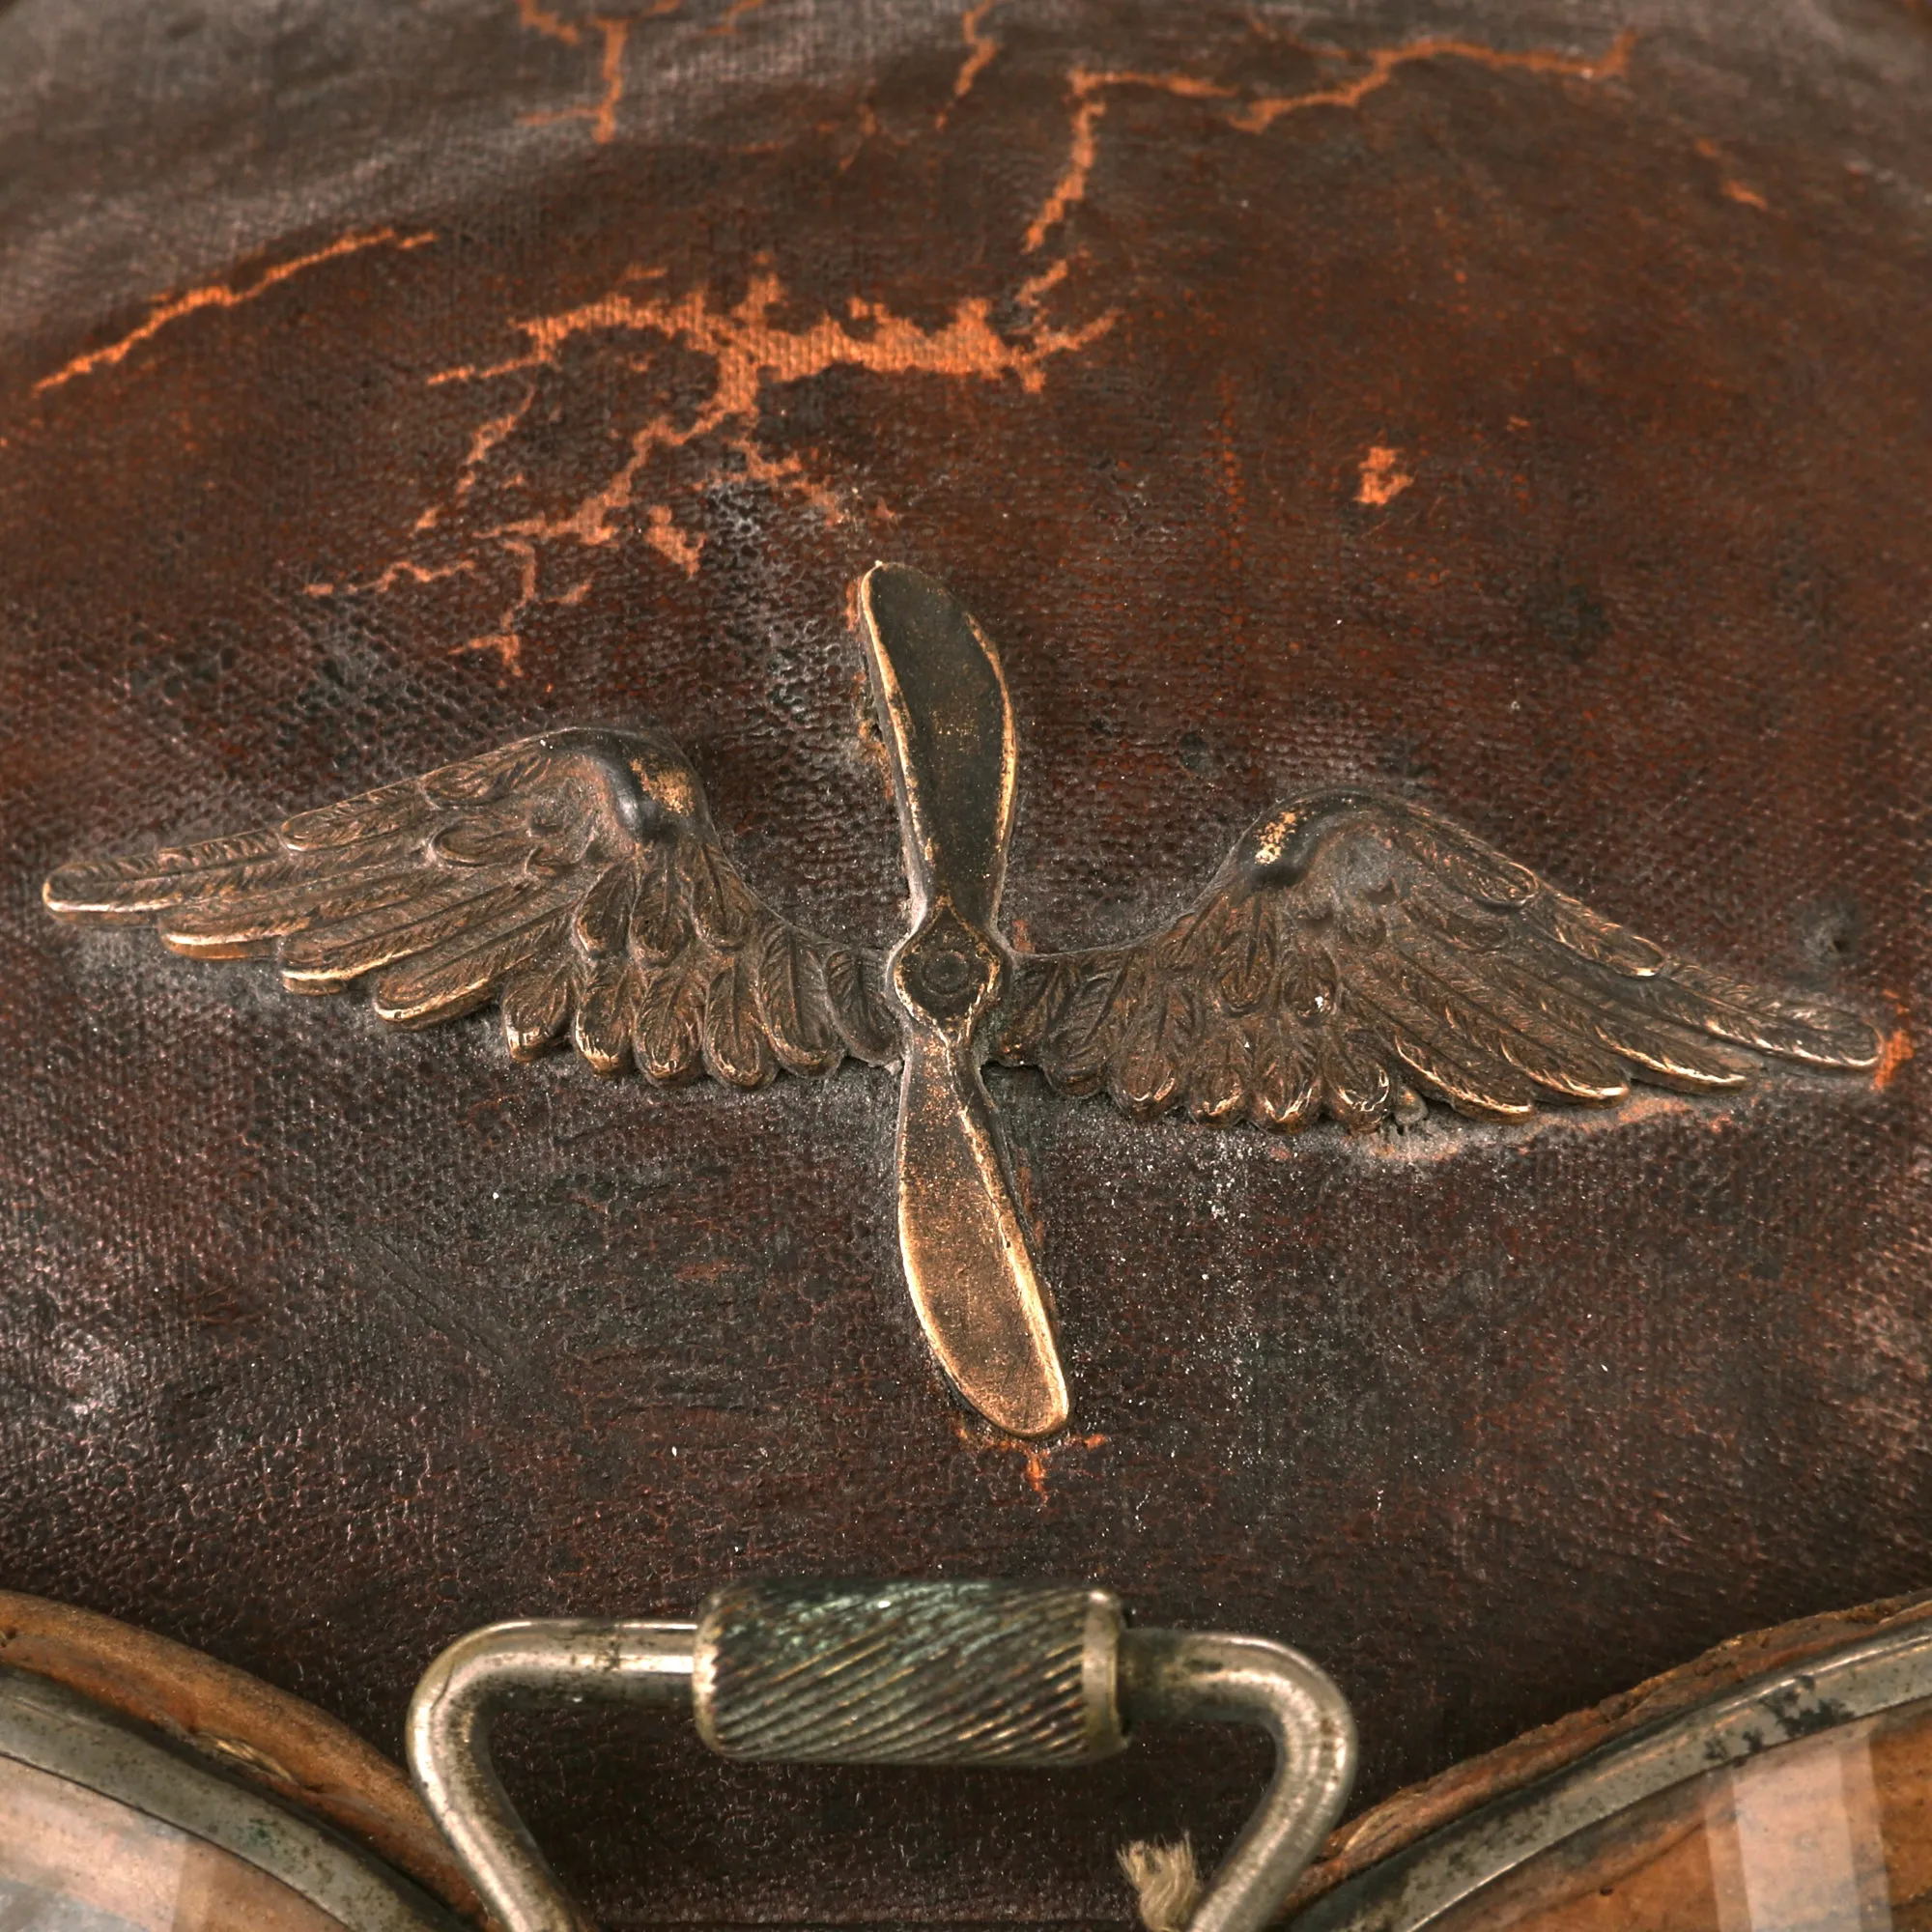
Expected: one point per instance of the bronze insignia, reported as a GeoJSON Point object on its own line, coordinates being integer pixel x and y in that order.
{"type": "Point", "coordinates": [1352, 954]}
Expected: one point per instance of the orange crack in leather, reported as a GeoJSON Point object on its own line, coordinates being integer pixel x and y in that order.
{"type": "Point", "coordinates": [1037, 1457]}
{"type": "Point", "coordinates": [980, 48]}
{"type": "Point", "coordinates": [750, 355]}
{"type": "Point", "coordinates": [1090, 92]}
{"type": "Point", "coordinates": [219, 294]}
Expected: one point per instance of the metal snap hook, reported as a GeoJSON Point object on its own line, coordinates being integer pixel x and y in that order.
{"type": "Point", "coordinates": [980, 1674]}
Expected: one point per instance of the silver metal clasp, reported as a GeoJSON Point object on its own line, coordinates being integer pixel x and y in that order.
{"type": "Point", "coordinates": [982, 1674]}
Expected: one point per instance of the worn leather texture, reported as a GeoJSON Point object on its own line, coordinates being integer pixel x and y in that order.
{"type": "Point", "coordinates": [1525, 410]}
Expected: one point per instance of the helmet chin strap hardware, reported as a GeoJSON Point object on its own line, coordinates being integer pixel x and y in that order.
{"type": "Point", "coordinates": [979, 1675]}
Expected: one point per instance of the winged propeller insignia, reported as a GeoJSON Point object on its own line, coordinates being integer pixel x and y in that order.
{"type": "Point", "coordinates": [1353, 955]}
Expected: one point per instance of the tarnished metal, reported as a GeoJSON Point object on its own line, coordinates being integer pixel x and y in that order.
{"type": "Point", "coordinates": [55, 1730]}
{"type": "Point", "coordinates": [1178, 1676]}
{"type": "Point", "coordinates": [969, 1262]}
{"type": "Point", "coordinates": [969, 1674]}
{"type": "Point", "coordinates": [909, 1674]}
{"type": "Point", "coordinates": [1351, 954]}
{"type": "Point", "coordinates": [1420, 1887]}
{"type": "Point", "coordinates": [448, 1739]}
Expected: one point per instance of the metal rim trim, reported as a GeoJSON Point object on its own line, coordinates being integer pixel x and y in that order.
{"type": "Point", "coordinates": [1412, 1890]}
{"type": "Point", "coordinates": [50, 1728]}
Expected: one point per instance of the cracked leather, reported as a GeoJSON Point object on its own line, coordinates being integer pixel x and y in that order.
{"type": "Point", "coordinates": [1518, 408]}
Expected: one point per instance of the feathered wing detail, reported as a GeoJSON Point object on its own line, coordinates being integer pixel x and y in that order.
{"type": "Point", "coordinates": [1354, 953]}
{"type": "Point", "coordinates": [575, 878]}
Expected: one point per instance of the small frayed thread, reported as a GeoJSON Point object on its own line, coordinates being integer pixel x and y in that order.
{"type": "Point", "coordinates": [1166, 1883]}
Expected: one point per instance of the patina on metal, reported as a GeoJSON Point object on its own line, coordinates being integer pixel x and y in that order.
{"type": "Point", "coordinates": [968, 1673]}
{"type": "Point", "coordinates": [216, 1715]}
{"type": "Point", "coordinates": [1351, 954]}
{"type": "Point", "coordinates": [1445, 1879]}
{"type": "Point", "coordinates": [503, 1666]}
{"type": "Point", "coordinates": [909, 1674]}
{"type": "Point", "coordinates": [53, 1729]}
{"type": "Point", "coordinates": [967, 1260]}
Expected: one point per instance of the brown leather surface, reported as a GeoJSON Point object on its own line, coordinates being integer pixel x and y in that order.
{"type": "Point", "coordinates": [322, 1345]}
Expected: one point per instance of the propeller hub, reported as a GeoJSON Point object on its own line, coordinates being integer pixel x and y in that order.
{"type": "Point", "coordinates": [948, 972]}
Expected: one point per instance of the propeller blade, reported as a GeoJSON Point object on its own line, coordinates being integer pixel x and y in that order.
{"type": "Point", "coordinates": [968, 1264]}
{"type": "Point", "coordinates": [967, 1259]}
{"type": "Point", "coordinates": [949, 735]}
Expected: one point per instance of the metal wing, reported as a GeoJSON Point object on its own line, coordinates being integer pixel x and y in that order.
{"type": "Point", "coordinates": [1354, 950]}
{"type": "Point", "coordinates": [574, 878]}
